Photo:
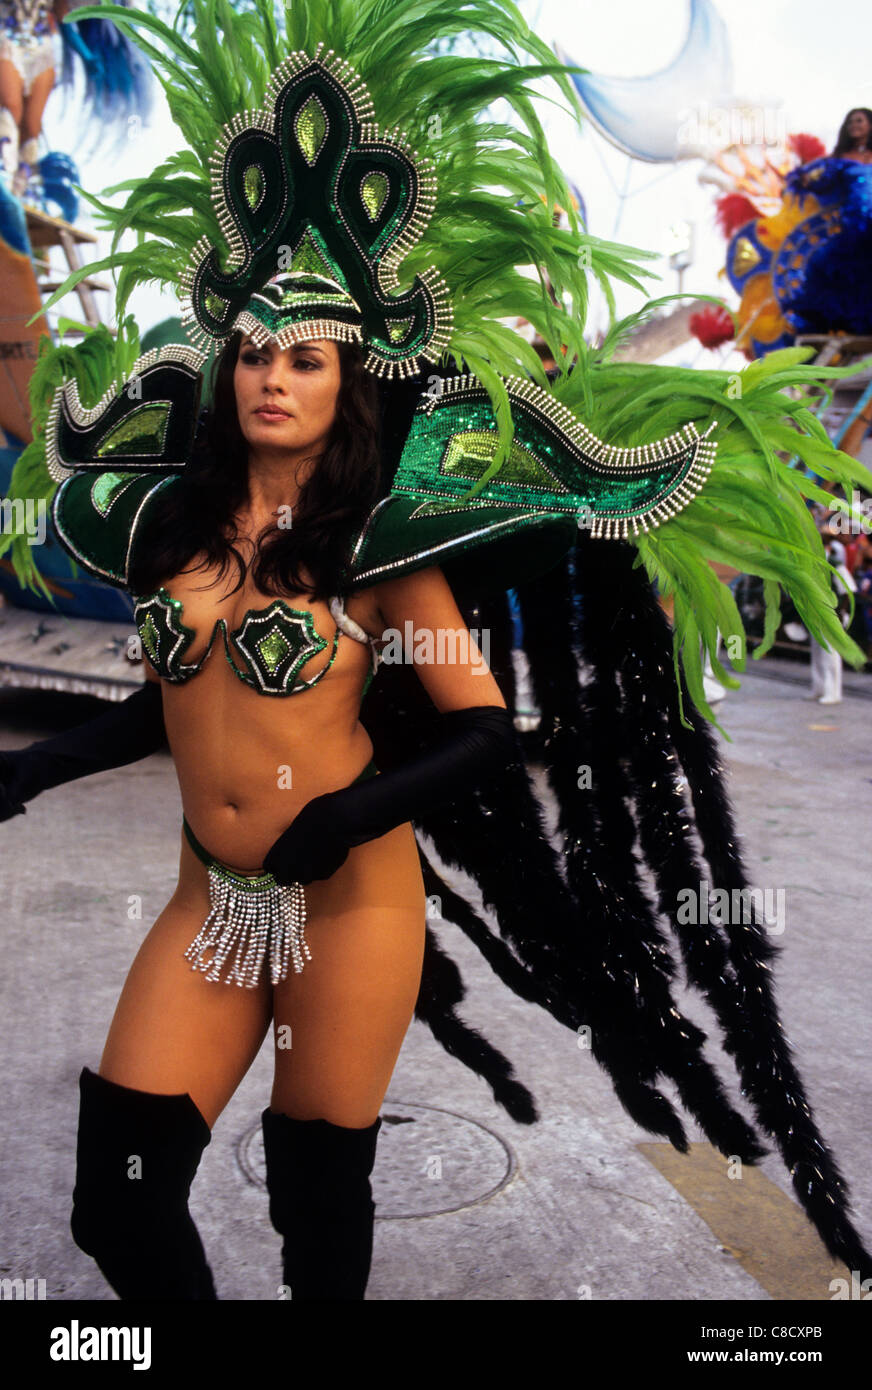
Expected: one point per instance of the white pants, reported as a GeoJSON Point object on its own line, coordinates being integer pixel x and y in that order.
{"type": "Point", "coordinates": [826, 674]}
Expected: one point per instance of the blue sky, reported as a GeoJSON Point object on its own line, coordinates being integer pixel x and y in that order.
{"type": "Point", "coordinates": [785, 56]}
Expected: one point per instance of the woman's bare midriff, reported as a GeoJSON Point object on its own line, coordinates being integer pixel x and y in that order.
{"type": "Point", "coordinates": [247, 763]}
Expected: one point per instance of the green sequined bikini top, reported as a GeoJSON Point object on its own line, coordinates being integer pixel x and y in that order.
{"type": "Point", "coordinates": [274, 642]}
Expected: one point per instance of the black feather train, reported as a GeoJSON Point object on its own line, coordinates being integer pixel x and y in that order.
{"type": "Point", "coordinates": [578, 929]}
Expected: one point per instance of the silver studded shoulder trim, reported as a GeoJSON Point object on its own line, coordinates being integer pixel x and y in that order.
{"type": "Point", "coordinates": [454, 542]}
{"type": "Point", "coordinates": [605, 459]}
{"type": "Point", "coordinates": [86, 561]}
{"type": "Point", "coordinates": [114, 576]}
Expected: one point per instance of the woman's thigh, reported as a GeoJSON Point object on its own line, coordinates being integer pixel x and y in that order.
{"type": "Point", "coordinates": [339, 1024]}
{"type": "Point", "coordinates": [35, 102]}
{"type": "Point", "coordinates": [11, 89]}
{"type": "Point", "coordinates": [175, 1031]}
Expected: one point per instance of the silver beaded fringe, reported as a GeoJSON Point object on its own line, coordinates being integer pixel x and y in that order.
{"type": "Point", "coordinates": [248, 915]}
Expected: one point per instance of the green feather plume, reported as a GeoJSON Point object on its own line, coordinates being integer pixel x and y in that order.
{"type": "Point", "coordinates": [497, 183]}
{"type": "Point", "coordinates": [752, 512]}
{"type": "Point", "coordinates": [96, 363]}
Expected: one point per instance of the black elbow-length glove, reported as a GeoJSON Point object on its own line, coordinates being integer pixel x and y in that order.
{"type": "Point", "coordinates": [477, 742]}
{"type": "Point", "coordinates": [129, 730]}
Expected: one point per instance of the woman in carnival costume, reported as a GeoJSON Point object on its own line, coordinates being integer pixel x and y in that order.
{"type": "Point", "coordinates": [805, 267]}
{"type": "Point", "coordinates": [854, 140]}
{"type": "Point", "coordinates": [382, 449]}
{"type": "Point", "coordinates": [821, 275]}
{"type": "Point", "coordinates": [31, 41]}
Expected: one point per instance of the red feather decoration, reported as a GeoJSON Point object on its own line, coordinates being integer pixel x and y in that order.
{"type": "Point", "coordinates": [806, 147]}
{"type": "Point", "coordinates": [733, 211]}
{"type": "Point", "coordinates": [712, 326]}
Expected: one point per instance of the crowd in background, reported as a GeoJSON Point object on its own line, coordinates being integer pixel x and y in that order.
{"type": "Point", "coordinates": [851, 553]}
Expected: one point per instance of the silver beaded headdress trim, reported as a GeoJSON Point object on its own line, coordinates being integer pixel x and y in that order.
{"type": "Point", "coordinates": [398, 191]}
{"type": "Point", "coordinates": [281, 312]}
{"type": "Point", "coordinates": [297, 332]}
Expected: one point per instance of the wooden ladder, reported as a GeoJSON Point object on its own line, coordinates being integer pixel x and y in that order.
{"type": "Point", "coordinates": [44, 232]}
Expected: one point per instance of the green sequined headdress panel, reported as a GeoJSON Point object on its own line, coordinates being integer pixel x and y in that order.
{"type": "Point", "coordinates": [447, 501]}
{"type": "Point", "coordinates": [311, 184]}
{"type": "Point", "coordinates": [297, 306]}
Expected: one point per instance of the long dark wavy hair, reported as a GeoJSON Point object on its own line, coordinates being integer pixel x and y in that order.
{"type": "Point", "coordinates": [194, 515]}
{"type": "Point", "coordinates": [846, 142]}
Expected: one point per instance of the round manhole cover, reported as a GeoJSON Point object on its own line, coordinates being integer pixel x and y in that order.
{"type": "Point", "coordinates": [427, 1161]}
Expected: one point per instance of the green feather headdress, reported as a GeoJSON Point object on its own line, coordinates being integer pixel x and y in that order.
{"type": "Point", "coordinates": [491, 232]}
{"type": "Point", "coordinates": [492, 238]}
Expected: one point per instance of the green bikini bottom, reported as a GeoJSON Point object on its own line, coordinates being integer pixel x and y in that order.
{"type": "Point", "coordinates": [251, 916]}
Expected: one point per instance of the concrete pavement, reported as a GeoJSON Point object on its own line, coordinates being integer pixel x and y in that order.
{"type": "Point", "coordinates": [471, 1205]}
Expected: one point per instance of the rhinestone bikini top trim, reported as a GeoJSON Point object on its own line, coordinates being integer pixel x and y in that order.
{"type": "Point", "coordinates": [275, 642]}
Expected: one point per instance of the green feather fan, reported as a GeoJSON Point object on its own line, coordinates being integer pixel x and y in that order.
{"type": "Point", "coordinates": [751, 513]}
{"type": "Point", "coordinates": [95, 363]}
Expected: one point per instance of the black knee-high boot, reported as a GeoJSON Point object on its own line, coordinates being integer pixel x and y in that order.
{"type": "Point", "coordinates": [320, 1201]}
{"type": "Point", "coordinates": [136, 1157]}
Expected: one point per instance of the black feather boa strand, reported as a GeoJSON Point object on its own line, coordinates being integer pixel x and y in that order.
{"type": "Point", "coordinates": [579, 926]}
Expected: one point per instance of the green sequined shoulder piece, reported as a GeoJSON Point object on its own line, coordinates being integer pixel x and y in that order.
{"type": "Point", "coordinates": [97, 516]}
